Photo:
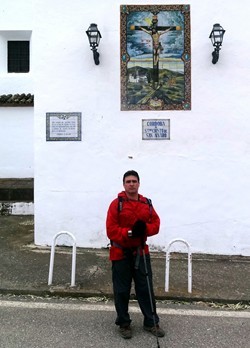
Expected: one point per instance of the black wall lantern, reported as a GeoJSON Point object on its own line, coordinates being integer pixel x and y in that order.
{"type": "Point", "coordinates": [216, 37]}
{"type": "Point", "coordinates": [94, 38]}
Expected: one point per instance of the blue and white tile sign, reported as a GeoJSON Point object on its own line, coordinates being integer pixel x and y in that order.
{"type": "Point", "coordinates": [156, 129]}
{"type": "Point", "coordinates": [64, 126]}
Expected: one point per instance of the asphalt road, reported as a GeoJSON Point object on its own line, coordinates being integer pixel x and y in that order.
{"type": "Point", "coordinates": [28, 322]}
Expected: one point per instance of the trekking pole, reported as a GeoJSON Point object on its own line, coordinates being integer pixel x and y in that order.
{"type": "Point", "coordinates": [150, 295]}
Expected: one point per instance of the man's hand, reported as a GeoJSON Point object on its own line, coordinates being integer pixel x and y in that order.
{"type": "Point", "coordinates": [139, 229]}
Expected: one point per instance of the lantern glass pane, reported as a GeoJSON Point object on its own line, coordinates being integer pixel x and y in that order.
{"type": "Point", "coordinates": [217, 37]}
{"type": "Point", "coordinates": [93, 38]}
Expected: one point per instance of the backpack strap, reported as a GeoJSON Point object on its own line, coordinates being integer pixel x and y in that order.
{"type": "Point", "coordinates": [150, 205]}
{"type": "Point", "coordinates": [120, 201]}
{"type": "Point", "coordinates": [148, 201]}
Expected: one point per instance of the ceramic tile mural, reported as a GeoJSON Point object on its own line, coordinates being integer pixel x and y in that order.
{"type": "Point", "coordinates": [155, 57]}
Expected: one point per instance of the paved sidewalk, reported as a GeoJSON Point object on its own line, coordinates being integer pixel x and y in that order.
{"type": "Point", "coordinates": [24, 269]}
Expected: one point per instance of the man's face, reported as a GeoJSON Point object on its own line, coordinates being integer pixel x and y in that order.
{"type": "Point", "coordinates": [131, 184]}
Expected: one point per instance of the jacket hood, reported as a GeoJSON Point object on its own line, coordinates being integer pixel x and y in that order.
{"type": "Point", "coordinates": [124, 196]}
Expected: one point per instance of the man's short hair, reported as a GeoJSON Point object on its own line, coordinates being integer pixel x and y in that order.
{"type": "Point", "coordinates": [131, 172]}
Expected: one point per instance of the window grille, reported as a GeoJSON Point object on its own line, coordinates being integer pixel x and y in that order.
{"type": "Point", "coordinates": [18, 56]}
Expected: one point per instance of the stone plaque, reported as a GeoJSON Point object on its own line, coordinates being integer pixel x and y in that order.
{"type": "Point", "coordinates": [63, 126]}
{"type": "Point", "coordinates": [156, 129]}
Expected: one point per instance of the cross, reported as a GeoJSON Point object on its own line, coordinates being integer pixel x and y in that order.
{"type": "Point", "coordinates": [155, 32]}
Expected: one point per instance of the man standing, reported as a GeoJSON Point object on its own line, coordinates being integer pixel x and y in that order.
{"type": "Point", "coordinates": [131, 218]}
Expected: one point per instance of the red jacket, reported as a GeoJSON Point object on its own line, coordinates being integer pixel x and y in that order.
{"type": "Point", "coordinates": [120, 221]}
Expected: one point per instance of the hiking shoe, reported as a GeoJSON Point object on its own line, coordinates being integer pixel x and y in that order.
{"type": "Point", "coordinates": [125, 331]}
{"type": "Point", "coordinates": [155, 330]}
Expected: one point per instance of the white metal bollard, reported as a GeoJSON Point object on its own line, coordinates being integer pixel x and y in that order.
{"type": "Point", "coordinates": [52, 256]}
{"type": "Point", "coordinates": [168, 264]}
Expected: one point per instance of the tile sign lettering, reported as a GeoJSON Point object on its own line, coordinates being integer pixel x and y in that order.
{"type": "Point", "coordinates": [156, 129]}
{"type": "Point", "coordinates": [63, 126]}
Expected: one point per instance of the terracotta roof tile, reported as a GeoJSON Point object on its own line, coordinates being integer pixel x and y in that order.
{"type": "Point", "coordinates": [17, 99]}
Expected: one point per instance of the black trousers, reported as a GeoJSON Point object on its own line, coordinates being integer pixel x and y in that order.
{"type": "Point", "coordinates": [123, 272]}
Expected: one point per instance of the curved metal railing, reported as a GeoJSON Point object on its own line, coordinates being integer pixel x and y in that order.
{"type": "Point", "coordinates": [52, 257]}
{"type": "Point", "coordinates": [178, 240]}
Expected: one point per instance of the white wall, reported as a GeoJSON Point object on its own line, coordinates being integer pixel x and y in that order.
{"type": "Point", "coordinates": [17, 142]}
{"type": "Point", "coordinates": [16, 23]}
{"type": "Point", "coordinates": [16, 123]}
{"type": "Point", "coordinates": [198, 180]}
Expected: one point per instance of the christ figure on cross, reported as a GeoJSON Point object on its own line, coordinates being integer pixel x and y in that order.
{"type": "Point", "coordinates": [157, 46]}
{"type": "Point", "coordinates": [155, 31]}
